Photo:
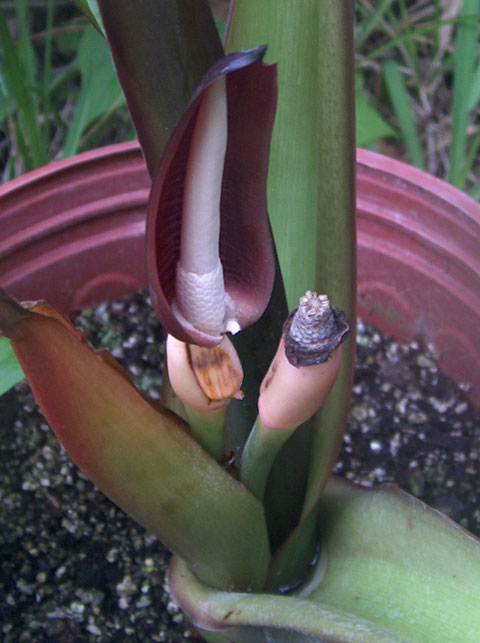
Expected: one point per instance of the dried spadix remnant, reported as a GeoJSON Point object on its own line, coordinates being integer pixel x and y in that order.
{"type": "Point", "coordinates": [205, 379]}
{"type": "Point", "coordinates": [306, 364]}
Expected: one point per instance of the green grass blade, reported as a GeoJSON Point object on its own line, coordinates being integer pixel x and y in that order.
{"type": "Point", "coordinates": [472, 156]}
{"type": "Point", "coordinates": [26, 51]}
{"type": "Point", "coordinates": [22, 96]}
{"type": "Point", "coordinates": [436, 36]}
{"type": "Point", "coordinates": [94, 135]}
{"type": "Point", "coordinates": [370, 126]}
{"type": "Point", "coordinates": [475, 91]}
{"type": "Point", "coordinates": [367, 27]}
{"type": "Point", "coordinates": [403, 111]}
{"type": "Point", "coordinates": [410, 47]}
{"type": "Point", "coordinates": [21, 144]}
{"type": "Point", "coordinates": [10, 370]}
{"type": "Point", "coordinates": [466, 49]}
{"type": "Point", "coordinates": [6, 101]}
{"type": "Point", "coordinates": [398, 41]}
{"type": "Point", "coordinates": [29, 64]}
{"type": "Point", "coordinates": [47, 66]}
{"type": "Point", "coordinates": [475, 191]}
{"type": "Point", "coordinates": [100, 89]}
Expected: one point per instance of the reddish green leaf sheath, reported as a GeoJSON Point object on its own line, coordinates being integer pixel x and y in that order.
{"type": "Point", "coordinates": [145, 460]}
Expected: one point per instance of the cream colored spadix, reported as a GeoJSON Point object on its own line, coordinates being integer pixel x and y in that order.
{"type": "Point", "coordinates": [210, 257]}
{"type": "Point", "coordinates": [200, 288]}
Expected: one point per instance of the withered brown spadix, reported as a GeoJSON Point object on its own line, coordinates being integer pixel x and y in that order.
{"type": "Point", "coordinates": [217, 154]}
{"type": "Point", "coordinates": [306, 365]}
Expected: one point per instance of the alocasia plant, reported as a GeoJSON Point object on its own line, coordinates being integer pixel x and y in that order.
{"type": "Point", "coordinates": [273, 548]}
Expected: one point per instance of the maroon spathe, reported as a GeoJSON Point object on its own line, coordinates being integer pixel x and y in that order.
{"type": "Point", "coordinates": [246, 246]}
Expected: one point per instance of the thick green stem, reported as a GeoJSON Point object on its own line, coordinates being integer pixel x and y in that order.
{"type": "Point", "coordinates": [208, 430]}
{"type": "Point", "coordinates": [311, 195]}
{"type": "Point", "coordinates": [260, 451]}
{"type": "Point", "coordinates": [336, 245]}
{"type": "Point", "coordinates": [292, 35]}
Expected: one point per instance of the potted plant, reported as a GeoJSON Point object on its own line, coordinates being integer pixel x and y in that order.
{"type": "Point", "coordinates": [223, 574]}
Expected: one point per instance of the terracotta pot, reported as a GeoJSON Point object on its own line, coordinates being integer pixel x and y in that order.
{"type": "Point", "coordinates": [419, 262]}
{"type": "Point", "coordinates": [73, 232]}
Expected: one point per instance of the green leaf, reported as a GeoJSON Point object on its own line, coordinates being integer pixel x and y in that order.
{"type": "Point", "coordinates": [10, 370]}
{"type": "Point", "coordinates": [370, 125]}
{"type": "Point", "coordinates": [475, 90]}
{"type": "Point", "coordinates": [68, 40]}
{"type": "Point", "coordinates": [6, 99]}
{"type": "Point", "coordinates": [100, 90]}
{"type": "Point", "coordinates": [466, 49]}
{"type": "Point", "coordinates": [21, 94]}
{"type": "Point", "coordinates": [403, 111]}
{"type": "Point", "coordinates": [294, 164]}
{"type": "Point", "coordinates": [394, 561]}
{"type": "Point", "coordinates": [221, 26]}
{"type": "Point", "coordinates": [391, 569]}
{"type": "Point", "coordinates": [475, 191]}
{"type": "Point", "coordinates": [310, 199]}
{"type": "Point", "coordinates": [26, 51]}
{"type": "Point", "coordinates": [91, 10]}
{"type": "Point", "coordinates": [471, 158]}
{"type": "Point", "coordinates": [309, 163]}
{"type": "Point", "coordinates": [369, 24]}
{"type": "Point", "coordinates": [47, 68]}
{"type": "Point", "coordinates": [409, 40]}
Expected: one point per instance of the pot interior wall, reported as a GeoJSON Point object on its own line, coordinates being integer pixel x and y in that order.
{"type": "Point", "coordinates": [418, 263]}
{"type": "Point", "coordinates": [73, 233]}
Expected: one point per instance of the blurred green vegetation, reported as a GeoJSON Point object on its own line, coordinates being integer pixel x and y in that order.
{"type": "Point", "coordinates": [58, 90]}
{"type": "Point", "coordinates": [418, 64]}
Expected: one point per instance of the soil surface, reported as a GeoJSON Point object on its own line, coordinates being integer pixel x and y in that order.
{"type": "Point", "coordinates": [75, 569]}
